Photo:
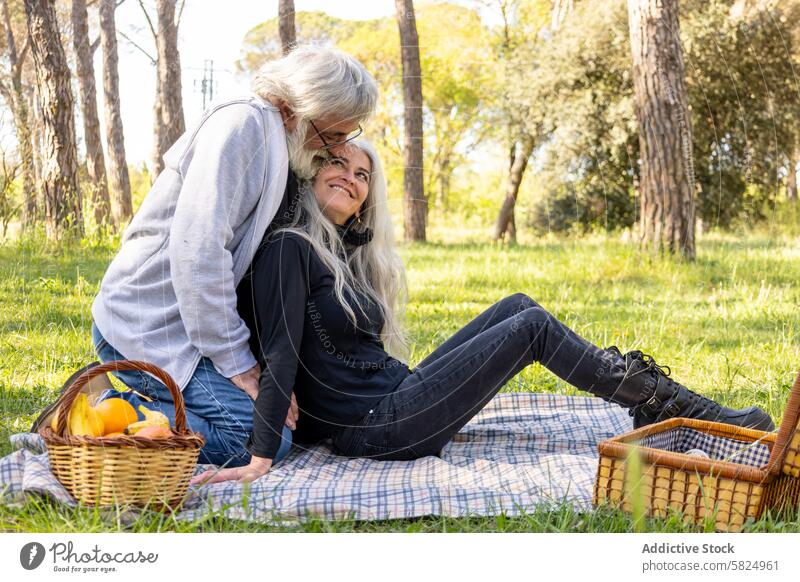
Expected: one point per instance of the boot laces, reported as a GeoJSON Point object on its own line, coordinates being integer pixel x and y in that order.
{"type": "Point", "coordinates": [650, 361]}
{"type": "Point", "coordinates": [696, 400]}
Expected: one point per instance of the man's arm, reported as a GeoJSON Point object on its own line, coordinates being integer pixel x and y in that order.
{"type": "Point", "coordinates": [223, 172]}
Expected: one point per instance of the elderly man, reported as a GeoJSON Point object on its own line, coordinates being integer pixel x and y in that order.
{"type": "Point", "coordinates": [169, 295]}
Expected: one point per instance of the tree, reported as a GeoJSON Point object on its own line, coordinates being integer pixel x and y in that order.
{"type": "Point", "coordinates": [745, 109]}
{"type": "Point", "coordinates": [416, 206]}
{"type": "Point", "coordinates": [520, 154]}
{"type": "Point", "coordinates": [263, 43]}
{"type": "Point", "coordinates": [121, 206]}
{"type": "Point", "coordinates": [8, 174]}
{"type": "Point", "coordinates": [59, 180]}
{"type": "Point", "coordinates": [456, 87]}
{"type": "Point", "coordinates": [84, 67]}
{"type": "Point", "coordinates": [168, 120]}
{"type": "Point", "coordinates": [742, 109]}
{"type": "Point", "coordinates": [286, 24]}
{"type": "Point", "coordinates": [522, 133]}
{"type": "Point", "coordinates": [15, 98]}
{"type": "Point", "coordinates": [456, 82]}
{"type": "Point", "coordinates": [577, 99]}
{"type": "Point", "coordinates": [666, 179]}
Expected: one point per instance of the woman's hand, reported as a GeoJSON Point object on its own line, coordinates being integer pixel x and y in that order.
{"type": "Point", "coordinates": [291, 418]}
{"type": "Point", "coordinates": [258, 467]}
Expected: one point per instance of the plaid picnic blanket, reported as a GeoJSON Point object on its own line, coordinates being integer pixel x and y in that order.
{"type": "Point", "coordinates": [521, 451]}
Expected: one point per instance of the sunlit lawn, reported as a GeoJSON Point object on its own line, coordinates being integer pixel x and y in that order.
{"type": "Point", "coordinates": [727, 325]}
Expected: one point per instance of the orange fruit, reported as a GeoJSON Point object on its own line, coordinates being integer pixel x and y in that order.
{"type": "Point", "coordinates": [155, 432]}
{"type": "Point", "coordinates": [116, 414]}
{"type": "Point", "coordinates": [113, 434]}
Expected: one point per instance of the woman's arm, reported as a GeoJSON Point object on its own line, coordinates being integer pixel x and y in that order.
{"type": "Point", "coordinates": [280, 286]}
{"type": "Point", "coordinates": [280, 292]}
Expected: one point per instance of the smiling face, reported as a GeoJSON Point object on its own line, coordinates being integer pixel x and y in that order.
{"type": "Point", "coordinates": [342, 184]}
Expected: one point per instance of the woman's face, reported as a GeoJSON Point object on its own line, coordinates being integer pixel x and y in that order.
{"type": "Point", "coordinates": [342, 184]}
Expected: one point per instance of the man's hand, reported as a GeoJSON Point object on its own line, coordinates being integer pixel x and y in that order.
{"type": "Point", "coordinates": [291, 418]}
{"type": "Point", "coordinates": [258, 467]}
{"type": "Point", "coordinates": [248, 381]}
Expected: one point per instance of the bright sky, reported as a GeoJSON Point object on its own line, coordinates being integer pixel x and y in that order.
{"type": "Point", "coordinates": [209, 30]}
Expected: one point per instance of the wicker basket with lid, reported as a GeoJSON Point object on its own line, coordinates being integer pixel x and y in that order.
{"type": "Point", "coordinates": [747, 472]}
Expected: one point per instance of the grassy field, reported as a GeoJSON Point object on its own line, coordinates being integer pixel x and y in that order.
{"type": "Point", "coordinates": [727, 325]}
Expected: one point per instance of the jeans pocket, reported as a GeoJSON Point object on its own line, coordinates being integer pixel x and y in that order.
{"type": "Point", "coordinates": [377, 426]}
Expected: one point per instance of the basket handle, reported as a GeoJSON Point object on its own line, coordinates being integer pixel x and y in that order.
{"type": "Point", "coordinates": [72, 392]}
{"type": "Point", "coordinates": [785, 443]}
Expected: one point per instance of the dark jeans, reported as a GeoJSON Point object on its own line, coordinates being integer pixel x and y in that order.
{"type": "Point", "coordinates": [456, 381]}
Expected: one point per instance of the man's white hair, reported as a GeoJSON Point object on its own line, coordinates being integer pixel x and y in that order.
{"type": "Point", "coordinates": [317, 82]}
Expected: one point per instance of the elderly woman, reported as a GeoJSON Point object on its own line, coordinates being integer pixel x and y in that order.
{"type": "Point", "coordinates": [323, 306]}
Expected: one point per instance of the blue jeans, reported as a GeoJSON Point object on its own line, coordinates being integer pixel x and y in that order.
{"type": "Point", "coordinates": [459, 378]}
{"type": "Point", "coordinates": [215, 407]}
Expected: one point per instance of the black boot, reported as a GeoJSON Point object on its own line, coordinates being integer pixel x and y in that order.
{"type": "Point", "coordinates": [652, 396]}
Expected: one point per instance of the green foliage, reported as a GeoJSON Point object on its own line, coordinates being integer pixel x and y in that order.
{"type": "Point", "coordinates": [743, 101]}
{"type": "Point", "coordinates": [585, 122]}
{"type": "Point", "coordinates": [10, 199]}
{"type": "Point", "coordinates": [571, 89]}
{"type": "Point", "coordinates": [457, 77]}
{"type": "Point", "coordinates": [262, 43]}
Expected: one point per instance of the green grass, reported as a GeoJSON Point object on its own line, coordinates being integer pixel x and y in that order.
{"type": "Point", "coordinates": [727, 325]}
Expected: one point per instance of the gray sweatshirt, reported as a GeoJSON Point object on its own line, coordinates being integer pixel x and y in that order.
{"type": "Point", "coordinates": [169, 296]}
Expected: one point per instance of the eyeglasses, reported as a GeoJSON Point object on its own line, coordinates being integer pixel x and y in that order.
{"type": "Point", "coordinates": [327, 145]}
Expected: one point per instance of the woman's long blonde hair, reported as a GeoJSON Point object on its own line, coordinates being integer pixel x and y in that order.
{"type": "Point", "coordinates": [374, 268]}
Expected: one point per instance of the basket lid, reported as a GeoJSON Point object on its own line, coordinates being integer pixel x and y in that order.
{"type": "Point", "coordinates": [785, 455]}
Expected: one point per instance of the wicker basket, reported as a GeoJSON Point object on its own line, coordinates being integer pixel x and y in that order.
{"type": "Point", "coordinates": [130, 470]}
{"type": "Point", "coordinates": [748, 472]}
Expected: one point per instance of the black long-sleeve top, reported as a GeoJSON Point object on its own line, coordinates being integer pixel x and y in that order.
{"type": "Point", "coordinates": [305, 341]}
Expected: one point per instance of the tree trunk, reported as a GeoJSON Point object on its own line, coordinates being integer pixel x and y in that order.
{"type": "Point", "coordinates": [667, 222]}
{"type": "Point", "coordinates": [444, 174]}
{"type": "Point", "coordinates": [168, 107]}
{"type": "Point", "coordinates": [22, 124]}
{"type": "Point", "coordinates": [35, 116]}
{"type": "Point", "coordinates": [791, 178]}
{"type": "Point", "coordinates": [18, 103]}
{"type": "Point", "coordinates": [415, 202]}
{"type": "Point", "coordinates": [84, 66]}
{"type": "Point", "coordinates": [505, 220]}
{"type": "Point", "coordinates": [121, 207]}
{"type": "Point", "coordinates": [559, 11]}
{"type": "Point", "coordinates": [286, 25]}
{"type": "Point", "coordinates": [62, 200]}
